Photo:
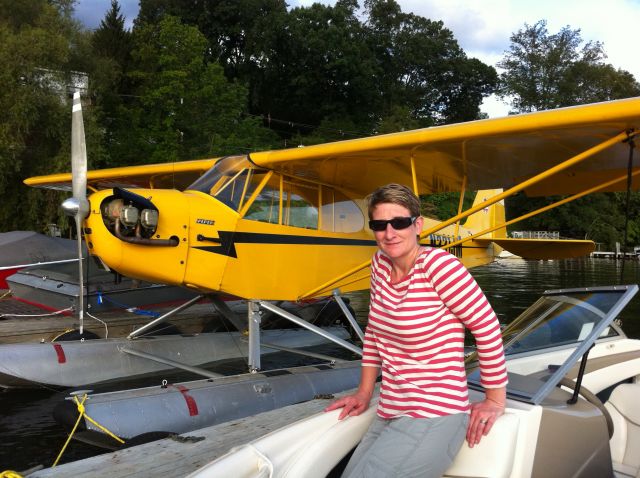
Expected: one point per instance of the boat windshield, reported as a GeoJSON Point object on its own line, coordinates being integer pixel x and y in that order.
{"type": "Point", "coordinates": [562, 325]}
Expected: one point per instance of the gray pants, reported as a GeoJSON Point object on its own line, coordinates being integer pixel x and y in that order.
{"type": "Point", "coordinates": [408, 447]}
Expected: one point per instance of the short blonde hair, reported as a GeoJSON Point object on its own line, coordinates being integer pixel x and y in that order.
{"type": "Point", "coordinates": [395, 194]}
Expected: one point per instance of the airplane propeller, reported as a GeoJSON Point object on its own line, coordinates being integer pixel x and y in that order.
{"type": "Point", "coordinates": [77, 206]}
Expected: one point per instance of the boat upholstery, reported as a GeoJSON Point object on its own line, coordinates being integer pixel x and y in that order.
{"type": "Point", "coordinates": [624, 407]}
{"type": "Point", "coordinates": [493, 456]}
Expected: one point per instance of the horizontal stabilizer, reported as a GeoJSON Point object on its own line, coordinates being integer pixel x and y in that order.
{"type": "Point", "coordinates": [544, 248]}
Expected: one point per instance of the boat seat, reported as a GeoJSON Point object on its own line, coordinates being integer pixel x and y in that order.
{"type": "Point", "coordinates": [624, 408]}
{"type": "Point", "coordinates": [493, 456]}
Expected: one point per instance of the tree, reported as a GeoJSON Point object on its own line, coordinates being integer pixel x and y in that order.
{"type": "Point", "coordinates": [544, 71]}
{"type": "Point", "coordinates": [231, 27]}
{"type": "Point", "coordinates": [35, 51]}
{"type": "Point", "coordinates": [185, 107]}
{"type": "Point", "coordinates": [423, 68]}
{"type": "Point", "coordinates": [322, 64]}
{"type": "Point", "coordinates": [111, 46]}
{"type": "Point", "coordinates": [316, 67]}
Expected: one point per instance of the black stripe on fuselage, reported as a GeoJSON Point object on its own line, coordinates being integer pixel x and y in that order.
{"type": "Point", "coordinates": [228, 241]}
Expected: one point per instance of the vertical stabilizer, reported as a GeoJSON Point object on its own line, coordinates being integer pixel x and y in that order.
{"type": "Point", "coordinates": [488, 216]}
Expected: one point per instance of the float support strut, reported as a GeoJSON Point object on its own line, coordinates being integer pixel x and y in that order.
{"type": "Point", "coordinates": [347, 314]}
{"type": "Point", "coordinates": [303, 323]}
{"type": "Point", "coordinates": [253, 310]}
{"type": "Point", "coordinates": [164, 317]}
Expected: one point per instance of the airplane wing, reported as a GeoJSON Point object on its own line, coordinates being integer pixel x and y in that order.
{"type": "Point", "coordinates": [155, 176]}
{"type": "Point", "coordinates": [493, 153]}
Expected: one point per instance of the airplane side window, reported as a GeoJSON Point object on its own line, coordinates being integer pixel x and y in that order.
{"type": "Point", "coordinates": [266, 206]}
{"type": "Point", "coordinates": [300, 205]}
{"type": "Point", "coordinates": [339, 214]}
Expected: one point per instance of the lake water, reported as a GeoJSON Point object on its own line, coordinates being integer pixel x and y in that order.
{"type": "Point", "coordinates": [29, 436]}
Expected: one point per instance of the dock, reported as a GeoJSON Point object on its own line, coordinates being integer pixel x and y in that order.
{"type": "Point", "coordinates": [22, 322]}
{"type": "Point", "coordinates": [615, 255]}
{"type": "Point", "coordinates": [186, 453]}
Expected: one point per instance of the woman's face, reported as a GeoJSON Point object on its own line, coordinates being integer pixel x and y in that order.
{"type": "Point", "coordinates": [396, 244]}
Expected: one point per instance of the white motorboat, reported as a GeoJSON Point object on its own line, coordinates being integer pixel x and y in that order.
{"type": "Point", "coordinates": [573, 404]}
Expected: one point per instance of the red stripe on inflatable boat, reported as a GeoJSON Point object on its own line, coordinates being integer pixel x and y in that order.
{"type": "Point", "coordinates": [191, 403]}
{"type": "Point", "coordinates": [60, 353]}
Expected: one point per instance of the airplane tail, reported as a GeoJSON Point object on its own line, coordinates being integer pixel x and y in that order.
{"type": "Point", "coordinates": [526, 248]}
{"type": "Point", "coordinates": [489, 216]}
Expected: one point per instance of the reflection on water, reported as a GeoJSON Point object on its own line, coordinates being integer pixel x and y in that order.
{"type": "Point", "coordinates": [31, 437]}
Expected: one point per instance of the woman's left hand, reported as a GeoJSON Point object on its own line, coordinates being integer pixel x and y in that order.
{"type": "Point", "coordinates": [484, 414]}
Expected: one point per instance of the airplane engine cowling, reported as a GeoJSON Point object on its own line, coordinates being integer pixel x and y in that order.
{"type": "Point", "coordinates": [144, 245]}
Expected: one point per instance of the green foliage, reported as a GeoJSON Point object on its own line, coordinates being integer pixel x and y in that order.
{"type": "Point", "coordinates": [314, 65]}
{"type": "Point", "coordinates": [310, 65]}
{"type": "Point", "coordinates": [598, 217]}
{"type": "Point", "coordinates": [111, 46]}
{"type": "Point", "coordinates": [545, 71]}
{"type": "Point", "coordinates": [34, 54]}
{"type": "Point", "coordinates": [185, 108]}
{"type": "Point", "coordinates": [443, 206]}
{"type": "Point", "coordinates": [421, 67]}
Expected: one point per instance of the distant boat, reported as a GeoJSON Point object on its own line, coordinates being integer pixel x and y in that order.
{"type": "Point", "coordinates": [19, 249]}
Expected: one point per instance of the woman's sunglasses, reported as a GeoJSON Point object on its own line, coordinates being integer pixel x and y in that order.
{"type": "Point", "coordinates": [397, 223]}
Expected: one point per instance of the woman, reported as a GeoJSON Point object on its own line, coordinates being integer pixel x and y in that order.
{"type": "Point", "coordinates": [421, 300]}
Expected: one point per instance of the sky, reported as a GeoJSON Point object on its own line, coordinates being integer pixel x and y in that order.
{"type": "Point", "coordinates": [483, 27]}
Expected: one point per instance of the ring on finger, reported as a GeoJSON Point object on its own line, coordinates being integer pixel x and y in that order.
{"type": "Point", "coordinates": [483, 421]}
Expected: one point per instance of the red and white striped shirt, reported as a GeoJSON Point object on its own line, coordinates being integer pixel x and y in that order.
{"type": "Point", "coordinates": [415, 334]}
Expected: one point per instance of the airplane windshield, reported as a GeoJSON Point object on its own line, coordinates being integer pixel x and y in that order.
{"type": "Point", "coordinates": [229, 181]}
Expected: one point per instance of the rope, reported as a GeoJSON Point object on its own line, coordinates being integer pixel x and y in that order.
{"type": "Point", "coordinates": [57, 312]}
{"type": "Point", "coordinates": [7, 293]}
{"type": "Point", "coordinates": [10, 474]}
{"type": "Point", "coordinates": [106, 328]}
{"type": "Point", "coordinates": [82, 413]}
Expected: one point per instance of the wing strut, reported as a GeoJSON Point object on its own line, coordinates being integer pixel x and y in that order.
{"type": "Point", "coordinates": [414, 176]}
{"type": "Point", "coordinates": [624, 135]}
{"type": "Point", "coordinates": [531, 181]}
{"type": "Point", "coordinates": [463, 190]}
{"type": "Point", "coordinates": [632, 146]}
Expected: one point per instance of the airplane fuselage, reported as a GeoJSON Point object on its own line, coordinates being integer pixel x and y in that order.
{"type": "Point", "coordinates": [273, 243]}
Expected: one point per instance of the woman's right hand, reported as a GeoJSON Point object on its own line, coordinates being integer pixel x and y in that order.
{"type": "Point", "coordinates": [352, 405]}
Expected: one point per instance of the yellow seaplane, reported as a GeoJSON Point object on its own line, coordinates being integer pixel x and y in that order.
{"type": "Point", "coordinates": [291, 225]}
